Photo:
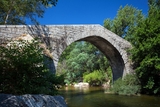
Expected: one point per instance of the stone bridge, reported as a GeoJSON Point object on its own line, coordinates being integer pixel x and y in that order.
{"type": "Point", "coordinates": [58, 37]}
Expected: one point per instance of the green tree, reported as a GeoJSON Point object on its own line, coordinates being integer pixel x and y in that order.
{"type": "Point", "coordinates": [49, 2]}
{"type": "Point", "coordinates": [21, 11]}
{"type": "Point", "coordinates": [66, 53]}
{"type": "Point", "coordinates": [82, 57]}
{"type": "Point", "coordinates": [125, 21]}
{"type": "Point", "coordinates": [129, 85]}
{"type": "Point", "coordinates": [78, 62]}
{"type": "Point", "coordinates": [22, 70]}
{"type": "Point", "coordinates": [95, 78]}
{"type": "Point", "coordinates": [145, 53]}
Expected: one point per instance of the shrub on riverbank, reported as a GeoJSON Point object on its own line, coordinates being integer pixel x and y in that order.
{"type": "Point", "coordinates": [96, 78]}
{"type": "Point", "coordinates": [22, 70]}
{"type": "Point", "coordinates": [129, 85]}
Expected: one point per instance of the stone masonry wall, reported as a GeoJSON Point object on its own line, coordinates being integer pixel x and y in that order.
{"type": "Point", "coordinates": [58, 37]}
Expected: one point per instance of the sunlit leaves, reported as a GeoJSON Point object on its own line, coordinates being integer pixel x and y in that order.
{"type": "Point", "coordinates": [146, 54]}
{"type": "Point", "coordinates": [49, 3]}
{"type": "Point", "coordinates": [23, 11]}
{"type": "Point", "coordinates": [95, 78]}
{"type": "Point", "coordinates": [81, 57]}
{"type": "Point", "coordinates": [144, 34]}
{"type": "Point", "coordinates": [125, 22]}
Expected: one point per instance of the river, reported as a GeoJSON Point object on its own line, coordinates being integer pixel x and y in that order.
{"type": "Point", "coordinates": [95, 97]}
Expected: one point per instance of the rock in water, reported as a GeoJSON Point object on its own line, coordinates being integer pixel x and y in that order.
{"type": "Point", "coordinates": [29, 100]}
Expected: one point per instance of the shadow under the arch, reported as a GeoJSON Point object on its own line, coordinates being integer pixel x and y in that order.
{"type": "Point", "coordinates": [111, 53]}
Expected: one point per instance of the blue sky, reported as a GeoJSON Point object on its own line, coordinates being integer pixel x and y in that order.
{"type": "Point", "coordinates": [87, 11]}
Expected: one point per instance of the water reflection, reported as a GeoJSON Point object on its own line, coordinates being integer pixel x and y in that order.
{"type": "Point", "coordinates": [95, 97]}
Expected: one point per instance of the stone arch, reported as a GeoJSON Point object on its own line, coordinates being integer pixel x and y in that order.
{"type": "Point", "coordinates": [111, 53]}
{"type": "Point", "coordinates": [58, 37]}
{"type": "Point", "coordinates": [114, 47]}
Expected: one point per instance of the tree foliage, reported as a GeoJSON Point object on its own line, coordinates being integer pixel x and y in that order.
{"type": "Point", "coordinates": [82, 57]}
{"type": "Point", "coordinates": [95, 78]}
{"type": "Point", "coordinates": [145, 53]}
{"type": "Point", "coordinates": [22, 11]}
{"type": "Point", "coordinates": [129, 85]}
{"type": "Point", "coordinates": [144, 34]}
{"type": "Point", "coordinates": [49, 2]}
{"type": "Point", "coordinates": [125, 21]}
{"type": "Point", "coordinates": [22, 70]}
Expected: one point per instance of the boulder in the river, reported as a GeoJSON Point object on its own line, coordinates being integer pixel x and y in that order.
{"type": "Point", "coordinates": [28, 100]}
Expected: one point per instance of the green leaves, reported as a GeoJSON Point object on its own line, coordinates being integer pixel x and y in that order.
{"type": "Point", "coordinates": [129, 85]}
{"type": "Point", "coordinates": [146, 54]}
{"type": "Point", "coordinates": [79, 58]}
{"type": "Point", "coordinates": [97, 77]}
{"type": "Point", "coordinates": [22, 70]}
{"type": "Point", "coordinates": [124, 23]}
{"type": "Point", "coordinates": [49, 3]}
{"type": "Point", "coordinates": [144, 34]}
{"type": "Point", "coordinates": [17, 12]}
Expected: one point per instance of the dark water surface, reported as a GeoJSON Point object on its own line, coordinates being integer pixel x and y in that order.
{"type": "Point", "coordinates": [95, 97]}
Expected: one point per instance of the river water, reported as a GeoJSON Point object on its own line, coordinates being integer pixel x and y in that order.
{"type": "Point", "coordinates": [96, 97]}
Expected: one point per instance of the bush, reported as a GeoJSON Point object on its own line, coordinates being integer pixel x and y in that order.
{"type": "Point", "coordinates": [97, 77]}
{"type": "Point", "coordinates": [22, 70]}
{"type": "Point", "coordinates": [127, 86]}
